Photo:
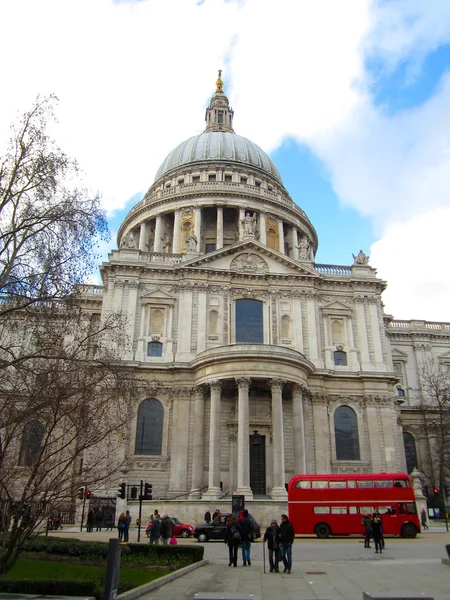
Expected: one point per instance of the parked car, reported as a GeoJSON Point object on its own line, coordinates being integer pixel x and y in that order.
{"type": "Point", "coordinates": [179, 529]}
{"type": "Point", "coordinates": [216, 529]}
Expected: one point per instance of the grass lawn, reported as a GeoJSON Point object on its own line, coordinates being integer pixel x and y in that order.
{"type": "Point", "coordinates": [47, 569]}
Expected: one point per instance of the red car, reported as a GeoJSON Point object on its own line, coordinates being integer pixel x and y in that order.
{"type": "Point", "coordinates": [179, 529]}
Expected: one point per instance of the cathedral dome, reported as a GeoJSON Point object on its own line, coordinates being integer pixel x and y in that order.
{"type": "Point", "coordinates": [213, 146]}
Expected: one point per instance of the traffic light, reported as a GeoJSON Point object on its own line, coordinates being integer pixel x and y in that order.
{"type": "Point", "coordinates": [148, 488]}
{"type": "Point", "coordinates": [436, 491]}
{"type": "Point", "coordinates": [88, 494]}
{"type": "Point", "coordinates": [81, 493]}
{"type": "Point", "coordinates": [122, 492]}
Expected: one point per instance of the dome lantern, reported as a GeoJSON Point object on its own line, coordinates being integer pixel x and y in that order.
{"type": "Point", "coordinates": [219, 114]}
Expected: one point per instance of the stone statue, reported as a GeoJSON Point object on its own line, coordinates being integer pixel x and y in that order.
{"type": "Point", "coordinates": [304, 248]}
{"type": "Point", "coordinates": [128, 241]}
{"type": "Point", "coordinates": [249, 224]}
{"type": "Point", "coordinates": [360, 258]}
{"type": "Point", "coordinates": [191, 243]}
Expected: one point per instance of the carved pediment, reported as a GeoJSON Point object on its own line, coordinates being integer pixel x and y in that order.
{"type": "Point", "coordinates": [157, 296]}
{"type": "Point", "coordinates": [337, 308]}
{"type": "Point", "coordinates": [399, 354]}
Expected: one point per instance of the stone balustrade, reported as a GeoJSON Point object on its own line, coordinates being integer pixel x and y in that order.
{"type": "Point", "coordinates": [333, 270]}
{"type": "Point", "coordinates": [414, 325]}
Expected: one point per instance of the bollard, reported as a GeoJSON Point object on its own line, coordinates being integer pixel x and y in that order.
{"type": "Point", "coordinates": [112, 570]}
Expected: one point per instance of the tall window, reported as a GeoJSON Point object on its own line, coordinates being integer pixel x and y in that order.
{"type": "Point", "coordinates": [340, 358]}
{"type": "Point", "coordinates": [154, 349]}
{"type": "Point", "coordinates": [149, 427]}
{"type": "Point", "coordinates": [410, 451]}
{"type": "Point", "coordinates": [249, 321]}
{"type": "Point", "coordinates": [32, 436]}
{"type": "Point", "coordinates": [346, 434]}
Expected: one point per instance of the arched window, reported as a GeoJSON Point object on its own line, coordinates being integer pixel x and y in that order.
{"type": "Point", "coordinates": [154, 349]}
{"type": "Point", "coordinates": [346, 434]}
{"type": "Point", "coordinates": [249, 321]}
{"type": "Point", "coordinates": [340, 358]}
{"type": "Point", "coordinates": [149, 427]}
{"type": "Point", "coordinates": [337, 331]}
{"type": "Point", "coordinates": [410, 451]}
{"type": "Point", "coordinates": [32, 436]}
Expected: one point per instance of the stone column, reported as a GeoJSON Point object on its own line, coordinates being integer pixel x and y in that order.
{"type": "Point", "coordinates": [214, 490]}
{"type": "Point", "coordinates": [180, 441]}
{"type": "Point", "coordinates": [281, 236]}
{"type": "Point", "coordinates": [219, 228]}
{"type": "Point", "coordinates": [198, 225]}
{"type": "Point", "coordinates": [131, 309]}
{"type": "Point", "coordinates": [158, 234]}
{"type": "Point", "coordinates": [366, 365]}
{"type": "Point", "coordinates": [298, 426]}
{"type": "Point", "coordinates": [294, 243]}
{"type": "Point", "coordinates": [142, 236]}
{"type": "Point", "coordinates": [176, 233]}
{"type": "Point", "coordinates": [197, 443]}
{"type": "Point", "coordinates": [278, 470]}
{"type": "Point", "coordinates": [243, 453]}
{"type": "Point", "coordinates": [262, 227]}
{"type": "Point", "coordinates": [241, 219]}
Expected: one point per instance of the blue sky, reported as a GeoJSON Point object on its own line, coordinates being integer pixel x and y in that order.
{"type": "Point", "coordinates": [349, 98]}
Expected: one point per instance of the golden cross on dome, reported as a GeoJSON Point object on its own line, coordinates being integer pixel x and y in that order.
{"type": "Point", "coordinates": [219, 82]}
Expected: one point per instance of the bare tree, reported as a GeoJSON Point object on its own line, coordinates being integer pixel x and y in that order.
{"type": "Point", "coordinates": [49, 226]}
{"type": "Point", "coordinates": [435, 401]}
{"type": "Point", "coordinates": [63, 411]}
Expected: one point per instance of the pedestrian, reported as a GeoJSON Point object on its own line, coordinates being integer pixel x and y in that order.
{"type": "Point", "coordinates": [233, 537]}
{"type": "Point", "coordinates": [376, 532]}
{"type": "Point", "coordinates": [377, 514]}
{"type": "Point", "coordinates": [272, 537]}
{"type": "Point", "coordinates": [366, 522]}
{"type": "Point", "coordinates": [216, 513]}
{"type": "Point", "coordinates": [155, 531]}
{"type": "Point", "coordinates": [423, 518]}
{"type": "Point", "coordinates": [110, 521]}
{"type": "Point", "coordinates": [247, 528]}
{"type": "Point", "coordinates": [121, 526]}
{"type": "Point", "coordinates": [127, 526]}
{"type": "Point", "coordinates": [207, 516]}
{"type": "Point", "coordinates": [287, 536]}
{"type": "Point", "coordinates": [166, 529]}
{"type": "Point", "coordinates": [98, 519]}
{"type": "Point", "coordinates": [90, 521]}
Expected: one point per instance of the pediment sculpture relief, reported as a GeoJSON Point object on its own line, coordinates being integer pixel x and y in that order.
{"type": "Point", "coordinates": [249, 263]}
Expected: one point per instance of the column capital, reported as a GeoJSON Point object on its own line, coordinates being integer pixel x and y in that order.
{"type": "Point", "coordinates": [243, 382]}
{"type": "Point", "coordinates": [276, 385]}
{"type": "Point", "coordinates": [215, 385]}
{"type": "Point", "coordinates": [301, 389]}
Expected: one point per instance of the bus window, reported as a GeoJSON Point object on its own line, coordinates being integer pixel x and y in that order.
{"type": "Point", "coordinates": [321, 510]}
{"type": "Point", "coordinates": [351, 483]}
{"type": "Point", "coordinates": [338, 510]}
{"type": "Point", "coordinates": [401, 483]}
{"type": "Point", "coordinates": [366, 510]}
{"type": "Point", "coordinates": [337, 484]}
{"type": "Point", "coordinates": [320, 484]}
{"type": "Point", "coordinates": [365, 483]}
{"type": "Point", "coordinates": [383, 483]}
{"type": "Point", "coordinates": [391, 510]}
{"type": "Point", "coordinates": [352, 510]}
{"type": "Point", "coordinates": [411, 508]}
{"type": "Point", "coordinates": [401, 509]}
{"type": "Point", "coordinates": [304, 485]}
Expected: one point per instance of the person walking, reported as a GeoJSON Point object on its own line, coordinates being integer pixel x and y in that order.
{"type": "Point", "coordinates": [246, 524]}
{"type": "Point", "coordinates": [121, 526]}
{"type": "Point", "coordinates": [155, 531]}
{"type": "Point", "coordinates": [166, 529]}
{"type": "Point", "coordinates": [90, 521]}
{"type": "Point", "coordinates": [287, 536]}
{"type": "Point", "coordinates": [377, 514]}
{"type": "Point", "coordinates": [366, 522]}
{"type": "Point", "coordinates": [126, 532]}
{"type": "Point", "coordinates": [272, 537]}
{"type": "Point", "coordinates": [208, 516]}
{"type": "Point", "coordinates": [376, 532]}
{"type": "Point", "coordinates": [98, 519]}
{"type": "Point", "coordinates": [216, 513]}
{"type": "Point", "coordinates": [233, 537]}
{"type": "Point", "coordinates": [423, 518]}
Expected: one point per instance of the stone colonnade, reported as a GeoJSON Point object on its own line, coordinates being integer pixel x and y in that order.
{"type": "Point", "coordinates": [278, 490]}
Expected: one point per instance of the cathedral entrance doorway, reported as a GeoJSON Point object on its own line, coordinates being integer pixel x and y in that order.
{"type": "Point", "coordinates": [258, 464]}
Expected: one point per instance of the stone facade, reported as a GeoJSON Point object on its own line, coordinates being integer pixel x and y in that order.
{"type": "Point", "coordinates": [216, 228]}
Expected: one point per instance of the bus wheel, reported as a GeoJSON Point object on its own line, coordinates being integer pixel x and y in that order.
{"type": "Point", "coordinates": [409, 530]}
{"type": "Point", "coordinates": [322, 530]}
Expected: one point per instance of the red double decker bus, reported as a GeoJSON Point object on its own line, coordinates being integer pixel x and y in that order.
{"type": "Point", "coordinates": [335, 504]}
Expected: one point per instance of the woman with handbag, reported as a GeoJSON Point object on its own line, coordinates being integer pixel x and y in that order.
{"type": "Point", "coordinates": [272, 537]}
{"type": "Point", "coordinates": [233, 537]}
{"type": "Point", "coordinates": [121, 526]}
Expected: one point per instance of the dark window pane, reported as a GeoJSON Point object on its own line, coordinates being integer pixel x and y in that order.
{"type": "Point", "coordinates": [210, 248]}
{"type": "Point", "coordinates": [346, 434]}
{"type": "Point", "coordinates": [410, 451]}
{"type": "Point", "coordinates": [249, 321]}
{"type": "Point", "coordinates": [154, 349]}
{"type": "Point", "coordinates": [149, 427]}
{"type": "Point", "coordinates": [32, 436]}
{"type": "Point", "coordinates": [340, 358]}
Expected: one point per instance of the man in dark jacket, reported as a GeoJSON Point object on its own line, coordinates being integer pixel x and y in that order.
{"type": "Point", "coordinates": [127, 526]}
{"type": "Point", "coordinates": [287, 536]}
{"type": "Point", "coordinates": [272, 537]}
{"type": "Point", "coordinates": [246, 524]}
{"type": "Point", "coordinates": [166, 529]}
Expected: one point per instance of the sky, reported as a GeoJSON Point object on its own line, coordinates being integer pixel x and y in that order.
{"type": "Point", "coordinates": [350, 98]}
